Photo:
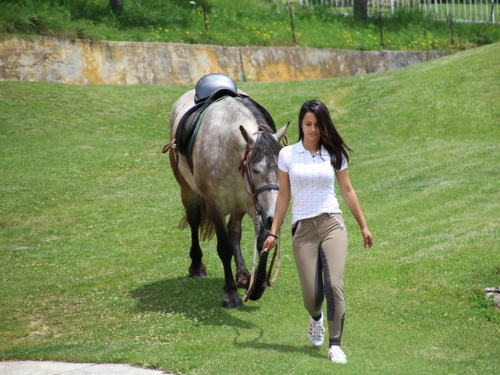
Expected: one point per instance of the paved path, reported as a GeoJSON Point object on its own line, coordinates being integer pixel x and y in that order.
{"type": "Point", "coordinates": [63, 368]}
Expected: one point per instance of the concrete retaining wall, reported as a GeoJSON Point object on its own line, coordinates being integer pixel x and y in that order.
{"type": "Point", "coordinates": [86, 62]}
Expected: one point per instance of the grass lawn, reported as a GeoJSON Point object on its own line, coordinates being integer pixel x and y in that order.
{"type": "Point", "coordinates": [93, 267]}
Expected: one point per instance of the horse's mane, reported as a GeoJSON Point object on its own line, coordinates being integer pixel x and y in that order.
{"type": "Point", "coordinates": [266, 144]}
{"type": "Point", "coordinates": [258, 113]}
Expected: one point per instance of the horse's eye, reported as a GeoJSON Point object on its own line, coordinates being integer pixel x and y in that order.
{"type": "Point", "coordinates": [255, 171]}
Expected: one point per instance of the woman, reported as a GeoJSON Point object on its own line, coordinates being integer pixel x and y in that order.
{"type": "Point", "coordinates": [307, 171]}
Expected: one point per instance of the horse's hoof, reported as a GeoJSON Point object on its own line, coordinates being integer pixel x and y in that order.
{"type": "Point", "coordinates": [258, 290]}
{"type": "Point", "coordinates": [255, 296]}
{"type": "Point", "coordinates": [243, 280]}
{"type": "Point", "coordinates": [198, 273]}
{"type": "Point", "coordinates": [232, 300]}
{"type": "Point", "coordinates": [199, 276]}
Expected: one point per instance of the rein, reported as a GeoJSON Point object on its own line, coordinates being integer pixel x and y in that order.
{"type": "Point", "coordinates": [245, 169]}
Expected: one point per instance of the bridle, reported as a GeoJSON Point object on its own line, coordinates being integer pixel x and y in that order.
{"type": "Point", "coordinates": [246, 169]}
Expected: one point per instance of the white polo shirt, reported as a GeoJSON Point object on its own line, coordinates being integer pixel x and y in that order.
{"type": "Point", "coordinates": [312, 181]}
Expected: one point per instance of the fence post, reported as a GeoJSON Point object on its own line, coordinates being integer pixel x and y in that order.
{"type": "Point", "coordinates": [293, 26]}
{"type": "Point", "coordinates": [451, 29]}
{"type": "Point", "coordinates": [381, 31]}
{"type": "Point", "coordinates": [205, 15]}
{"type": "Point", "coordinates": [492, 13]}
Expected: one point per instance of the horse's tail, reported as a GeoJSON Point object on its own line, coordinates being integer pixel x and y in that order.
{"type": "Point", "coordinates": [207, 229]}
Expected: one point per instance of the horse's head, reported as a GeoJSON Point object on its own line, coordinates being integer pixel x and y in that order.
{"type": "Point", "coordinates": [260, 169]}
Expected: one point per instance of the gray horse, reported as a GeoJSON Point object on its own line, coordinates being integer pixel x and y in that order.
{"type": "Point", "coordinates": [232, 171]}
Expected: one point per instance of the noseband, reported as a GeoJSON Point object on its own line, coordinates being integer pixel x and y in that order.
{"type": "Point", "coordinates": [245, 169]}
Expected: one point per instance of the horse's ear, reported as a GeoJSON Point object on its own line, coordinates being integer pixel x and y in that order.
{"type": "Point", "coordinates": [281, 133]}
{"type": "Point", "coordinates": [248, 137]}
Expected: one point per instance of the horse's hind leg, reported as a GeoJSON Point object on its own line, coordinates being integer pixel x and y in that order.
{"type": "Point", "coordinates": [191, 202]}
{"type": "Point", "coordinates": [197, 267]}
{"type": "Point", "coordinates": [234, 233]}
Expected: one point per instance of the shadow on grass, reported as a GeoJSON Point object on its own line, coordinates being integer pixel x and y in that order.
{"type": "Point", "coordinates": [256, 344]}
{"type": "Point", "coordinates": [197, 299]}
{"type": "Point", "coordinates": [200, 300]}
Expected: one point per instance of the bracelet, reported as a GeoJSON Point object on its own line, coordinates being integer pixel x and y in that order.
{"type": "Point", "coordinates": [275, 236]}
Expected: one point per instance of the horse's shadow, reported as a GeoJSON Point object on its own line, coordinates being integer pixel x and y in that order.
{"type": "Point", "coordinates": [196, 299]}
{"type": "Point", "coordinates": [200, 300]}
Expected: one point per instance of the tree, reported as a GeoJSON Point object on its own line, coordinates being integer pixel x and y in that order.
{"type": "Point", "coordinates": [360, 10]}
{"type": "Point", "coordinates": [116, 5]}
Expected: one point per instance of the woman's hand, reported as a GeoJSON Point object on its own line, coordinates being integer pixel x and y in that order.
{"type": "Point", "coordinates": [367, 238]}
{"type": "Point", "coordinates": [269, 243]}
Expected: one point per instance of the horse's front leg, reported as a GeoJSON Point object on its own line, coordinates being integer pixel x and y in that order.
{"type": "Point", "coordinates": [260, 286]}
{"type": "Point", "coordinates": [234, 233]}
{"type": "Point", "coordinates": [225, 252]}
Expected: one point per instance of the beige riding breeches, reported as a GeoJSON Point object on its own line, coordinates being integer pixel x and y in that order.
{"type": "Point", "coordinates": [320, 250]}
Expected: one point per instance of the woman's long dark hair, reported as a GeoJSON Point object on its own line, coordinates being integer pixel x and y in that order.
{"type": "Point", "coordinates": [330, 137]}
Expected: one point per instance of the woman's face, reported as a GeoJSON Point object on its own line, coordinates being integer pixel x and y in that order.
{"type": "Point", "coordinates": [310, 127]}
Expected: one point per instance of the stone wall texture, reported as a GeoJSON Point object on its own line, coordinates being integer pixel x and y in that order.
{"type": "Point", "coordinates": [87, 62]}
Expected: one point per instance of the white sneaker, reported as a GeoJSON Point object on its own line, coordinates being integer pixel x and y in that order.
{"type": "Point", "coordinates": [336, 354]}
{"type": "Point", "coordinates": [316, 336]}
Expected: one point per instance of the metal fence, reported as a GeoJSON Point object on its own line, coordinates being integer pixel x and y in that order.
{"type": "Point", "coordinates": [474, 11]}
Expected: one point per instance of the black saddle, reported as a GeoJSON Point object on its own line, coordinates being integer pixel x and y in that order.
{"type": "Point", "coordinates": [207, 84]}
{"type": "Point", "coordinates": [188, 126]}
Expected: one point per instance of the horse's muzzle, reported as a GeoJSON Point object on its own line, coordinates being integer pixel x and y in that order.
{"type": "Point", "coordinates": [268, 221]}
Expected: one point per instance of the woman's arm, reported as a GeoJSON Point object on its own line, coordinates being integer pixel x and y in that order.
{"type": "Point", "coordinates": [351, 199]}
{"type": "Point", "coordinates": [282, 203]}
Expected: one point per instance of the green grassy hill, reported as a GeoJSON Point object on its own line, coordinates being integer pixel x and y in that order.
{"type": "Point", "coordinates": [94, 268]}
